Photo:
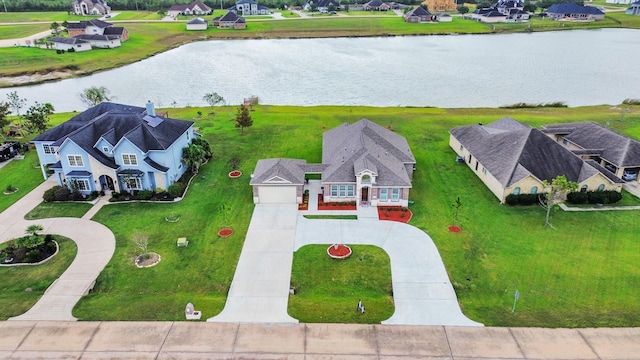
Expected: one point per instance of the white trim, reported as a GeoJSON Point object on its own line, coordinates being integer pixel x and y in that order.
{"type": "Point", "coordinates": [75, 163]}
{"type": "Point", "coordinates": [130, 159]}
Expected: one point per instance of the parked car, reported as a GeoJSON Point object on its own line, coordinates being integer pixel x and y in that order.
{"type": "Point", "coordinates": [107, 16]}
{"type": "Point", "coordinates": [629, 175]}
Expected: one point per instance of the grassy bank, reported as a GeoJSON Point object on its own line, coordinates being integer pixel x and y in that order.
{"type": "Point", "coordinates": [582, 274]}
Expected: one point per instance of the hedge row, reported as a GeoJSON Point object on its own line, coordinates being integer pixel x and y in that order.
{"type": "Point", "coordinates": [594, 197]}
{"type": "Point", "coordinates": [522, 199]}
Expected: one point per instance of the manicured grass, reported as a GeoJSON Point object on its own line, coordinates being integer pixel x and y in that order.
{"type": "Point", "coordinates": [20, 174]}
{"type": "Point", "coordinates": [58, 209]}
{"type": "Point", "coordinates": [582, 274]}
{"type": "Point", "coordinates": [289, 14]}
{"type": "Point", "coordinates": [14, 300]}
{"type": "Point", "coordinates": [20, 31]}
{"type": "Point", "coordinates": [328, 290]}
{"type": "Point", "coordinates": [334, 217]}
{"type": "Point", "coordinates": [134, 15]}
{"type": "Point", "coordinates": [45, 16]}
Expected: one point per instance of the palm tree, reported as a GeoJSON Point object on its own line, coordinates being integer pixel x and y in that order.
{"type": "Point", "coordinates": [33, 230]}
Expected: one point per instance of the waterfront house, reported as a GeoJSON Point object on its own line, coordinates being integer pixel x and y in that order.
{"type": "Point", "coordinates": [440, 5]}
{"type": "Point", "coordinates": [418, 15]}
{"type": "Point", "coordinates": [362, 162]}
{"type": "Point", "coordinates": [193, 8]}
{"type": "Point", "coordinates": [115, 147]}
{"type": "Point", "coordinates": [97, 27]}
{"type": "Point", "coordinates": [510, 157]}
{"type": "Point", "coordinates": [197, 24]}
{"type": "Point", "coordinates": [634, 9]}
{"type": "Point", "coordinates": [90, 7]}
{"type": "Point", "coordinates": [573, 11]}
{"type": "Point", "coordinates": [66, 44]}
{"type": "Point", "coordinates": [230, 20]}
{"type": "Point", "coordinates": [249, 7]}
{"type": "Point", "coordinates": [322, 5]}
{"type": "Point", "coordinates": [376, 5]}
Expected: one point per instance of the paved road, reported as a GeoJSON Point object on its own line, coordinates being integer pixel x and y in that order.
{"type": "Point", "coordinates": [23, 41]}
{"type": "Point", "coordinates": [96, 245]}
{"type": "Point", "coordinates": [187, 340]}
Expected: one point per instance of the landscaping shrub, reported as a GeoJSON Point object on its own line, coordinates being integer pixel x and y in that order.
{"type": "Point", "coordinates": [597, 197]}
{"type": "Point", "coordinates": [50, 195]}
{"type": "Point", "coordinates": [613, 196]}
{"type": "Point", "coordinates": [143, 195]}
{"type": "Point", "coordinates": [577, 197]}
{"type": "Point", "coordinates": [522, 199]}
{"type": "Point", "coordinates": [512, 199]}
{"type": "Point", "coordinates": [176, 189]}
{"type": "Point", "coordinates": [62, 194]}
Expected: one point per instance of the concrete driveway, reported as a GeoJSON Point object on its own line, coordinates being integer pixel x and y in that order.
{"type": "Point", "coordinates": [422, 292]}
{"type": "Point", "coordinates": [96, 245]}
{"type": "Point", "coordinates": [259, 292]}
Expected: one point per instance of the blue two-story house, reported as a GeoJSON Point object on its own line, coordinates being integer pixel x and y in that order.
{"type": "Point", "coordinates": [115, 147]}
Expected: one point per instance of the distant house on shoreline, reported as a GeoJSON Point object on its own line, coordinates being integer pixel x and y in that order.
{"type": "Point", "coordinates": [572, 11]}
{"type": "Point", "coordinates": [90, 7]}
{"type": "Point", "coordinates": [197, 24]}
{"type": "Point", "coordinates": [634, 9]}
{"type": "Point", "coordinates": [97, 27]}
{"type": "Point", "coordinates": [249, 7]}
{"type": "Point", "coordinates": [194, 8]}
{"type": "Point", "coordinates": [230, 20]}
{"type": "Point", "coordinates": [419, 15]}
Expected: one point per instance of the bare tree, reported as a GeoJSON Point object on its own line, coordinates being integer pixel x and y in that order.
{"type": "Point", "coordinates": [16, 102]}
{"type": "Point", "coordinates": [141, 241]}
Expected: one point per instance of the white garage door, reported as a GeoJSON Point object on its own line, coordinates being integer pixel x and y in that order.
{"type": "Point", "coordinates": [277, 194]}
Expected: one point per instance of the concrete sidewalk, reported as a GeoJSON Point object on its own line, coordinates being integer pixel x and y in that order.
{"type": "Point", "coordinates": [95, 242]}
{"type": "Point", "coordinates": [259, 291]}
{"type": "Point", "coordinates": [187, 340]}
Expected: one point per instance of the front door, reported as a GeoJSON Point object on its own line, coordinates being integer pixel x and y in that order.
{"type": "Point", "coordinates": [365, 194]}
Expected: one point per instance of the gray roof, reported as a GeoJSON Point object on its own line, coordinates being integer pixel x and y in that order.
{"type": "Point", "coordinates": [616, 149]}
{"type": "Point", "coordinates": [114, 122]}
{"type": "Point", "coordinates": [230, 17]}
{"type": "Point", "coordinates": [114, 30]}
{"type": "Point", "coordinates": [419, 11]}
{"type": "Point", "coordinates": [96, 37]}
{"type": "Point", "coordinates": [350, 148]}
{"type": "Point", "coordinates": [84, 24]}
{"type": "Point", "coordinates": [66, 40]}
{"type": "Point", "coordinates": [278, 171]}
{"type": "Point", "coordinates": [511, 151]}
{"type": "Point", "coordinates": [196, 21]}
{"type": "Point", "coordinates": [573, 8]}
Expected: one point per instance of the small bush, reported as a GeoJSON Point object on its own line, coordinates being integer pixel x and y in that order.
{"type": "Point", "coordinates": [631, 102]}
{"type": "Point", "coordinates": [176, 190]}
{"type": "Point", "coordinates": [32, 256]}
{"type": "Point", "coordinates": [613, 196]}
{"type": "Point", "coordinates": [50, 195]}
{"type": "Point", "coordinates": [62, 194]}
{"type": "Point", "coordinates": [522, 199]}
{"type": "Point", "coordinates": [577, 197]}
{"type": "Point", "coordinates": [512, 200]}
{"type": "Point", "coordinates": [143, 195]}
{"type": "Point", "coordinates": [94, 194]}
{"type": "Point", "coordinates": [597, 197]}
{"type": "Point", "coordinates": [76, 196]}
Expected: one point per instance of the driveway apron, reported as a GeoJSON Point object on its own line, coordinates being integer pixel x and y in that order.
{"type": "Point", "coordinates": [259, 292]}
{"type": "Point", "coordinates": [422, 292]}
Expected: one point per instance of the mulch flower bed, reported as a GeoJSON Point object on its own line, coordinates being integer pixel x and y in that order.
{"type": "Point", "coordinates": [235, 174]}
{"type": "Point", "coordinates": [454, 228]}
{"type": "Point", "coordinates": [305, 202]}
{"type": "Point", "coordinates": [394, 213]}
{"type": "Point", "coordinates": [334, 205]}
{"type": "Point", "coordinates": [339, 251]}
{"type": "Point", "coordinates": [150, 260]}
{"type": "Point", "coordinates": [225, 232]}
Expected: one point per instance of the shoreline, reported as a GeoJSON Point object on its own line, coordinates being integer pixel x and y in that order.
{"type": "Point", "coordinates": [37, 77]}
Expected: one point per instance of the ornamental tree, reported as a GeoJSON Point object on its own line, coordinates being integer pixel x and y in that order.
{"type": "Point", "coordinates": [555, 194]}
{"type": "Point", "coordinates": [243, 118]}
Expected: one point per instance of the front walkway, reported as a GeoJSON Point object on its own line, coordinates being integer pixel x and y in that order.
{"type": "Point", "coordinates": [96, 245]}
{"type": "Point", "coordinates": [259, 292]}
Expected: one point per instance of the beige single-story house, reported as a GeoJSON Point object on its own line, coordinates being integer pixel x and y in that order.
{"type": "Point", "coordinates": [362, 162]}
{"type": "Point", "coordinates": [617, 153]}
{"type": "Point", "coordinates": [64, 43]}
{"type": "Point", "coordinates": [513, 158]}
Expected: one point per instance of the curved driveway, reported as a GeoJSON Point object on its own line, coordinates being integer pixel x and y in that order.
{"type": "Point", "coordinates": [96, 245]}
{"type": "Point", "coordinates": [422, 292]}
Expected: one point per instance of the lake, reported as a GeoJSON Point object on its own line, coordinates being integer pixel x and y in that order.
{"type": "Point", "coordinates": [581, 67]}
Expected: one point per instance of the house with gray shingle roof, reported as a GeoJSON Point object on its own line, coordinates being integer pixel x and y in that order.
{"type": "Point", "coordinates": [90, 7]}
{"type": "Point", "coordinates": [362, 162]}
{"type": "Point", "coordinates": [115, 147]}
{"type": "Point", "coordinates": [618, 153]}
{"type": "Point", "coordinates": [572, 11]}
{"type": "Point", "coordinates": [513, 158]}
{"type": "Point", "coordinates": [65, 43]}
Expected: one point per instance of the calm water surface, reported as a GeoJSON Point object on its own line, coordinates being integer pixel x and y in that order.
{"type": "Point", "coordinates": [585, 67]}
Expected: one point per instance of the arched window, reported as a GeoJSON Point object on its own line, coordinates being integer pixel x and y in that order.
{"type": "Point", "coordinates": [516, 191]}
{"type": "Point", "coordinates": [366, 179]}
{"type": "Point", "coordinates": [534, 190]}
{"type": "Point", "coordinates": [584, 188]}
{"type": "Point", "coordinates": [601, 187]}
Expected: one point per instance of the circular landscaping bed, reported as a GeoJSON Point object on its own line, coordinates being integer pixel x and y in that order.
{"type": "Point", "coordinates": [10, 191]}
{"type": "Point", "coordinates": [339, 251]}
{"type": "Point", "coordinates": [454, 228]}
{"type": "Point", "coordinates": [225, 232]}
{"type": "Point", "coordinates": [235, 174]}
{"type": "Point", "coordinates": [17, 254]}
{"type": "Point", "coordinates": [148, 260]}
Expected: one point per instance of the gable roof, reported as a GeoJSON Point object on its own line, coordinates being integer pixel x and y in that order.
{"type": "Point", "coordinates": [230, 17]}
{"type": "Point", "coordinates": [511, 151]}
{"type": "Point", "coordinates": [573, 8]}
{"type": "Point", "coordinates": [196, 21]}
{"type": "Point", "coordinates": [614, 148]}
{"type": "Point", "coordinates": [183, 7]}
{"type": "Point", "coordinates": [351, 148]}
{"type": "Point", "coordinates": [114, 123]}
{"type": "Point", "coordinates": [419, 11]}
{"type": "Point", "coordinates": [96, 37]}
{"type": "Point", "coordinates": [279, 171]}
{"type": "Point", "coordinates": [85, 24]}
{"type": "Point", "coordinates": [66, 40]}
{"type": "Point", "coordinates": [114, 30]}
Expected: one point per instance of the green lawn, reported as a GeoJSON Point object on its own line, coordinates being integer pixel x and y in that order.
{"type": "Point", "coordinates": [58, 209]}
{"type": "Point", "coordinates": [21, 174]}
{"type": "Point", "coordinates": [14, 300]}
{"type": "Point", "coordinates": [328, 290]}
{"type": "Point", "coordinates": [59, 16]}
{"type": "Point", "coordinates": [582, 274]}
{"type": "Point", "coordinates": [134, 15]}
{"type": "Point", "coordinates": [20, 31]}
